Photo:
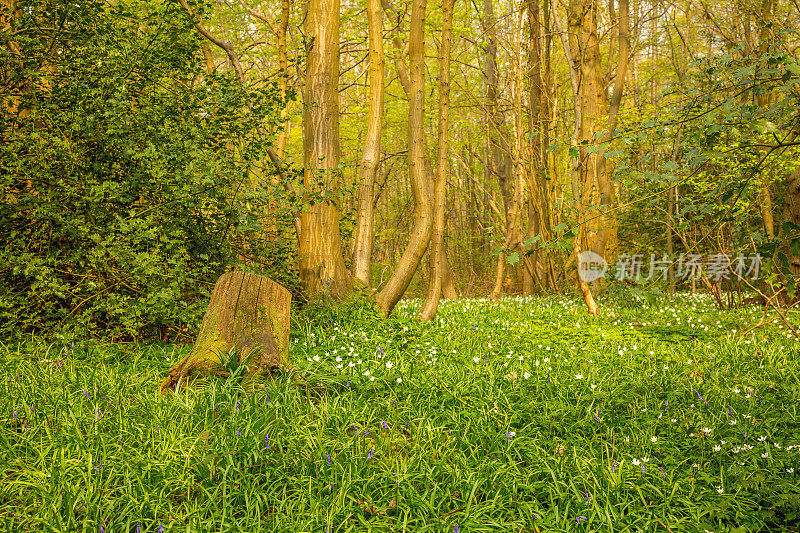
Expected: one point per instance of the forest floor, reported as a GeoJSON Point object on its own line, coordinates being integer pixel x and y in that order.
{"type": "Point", "coordinates": [521, 415]}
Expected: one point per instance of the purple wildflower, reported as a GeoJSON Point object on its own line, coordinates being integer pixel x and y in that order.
{"type": "Point", "coordinates": [98, 467]}
{"type": "Point", "coordinates": [97, 413]}
{"type": "Point", "coordinates": [267, 396]}
{"type": "Point", "coordinates": [138, 528]}
{"type": "Point", "coordinates": [456, 529]}
{"type": "Point", "coordinates": [383, 423]}
{"type": "Point", "coordinates": [236, 406]}
{"type": "Point", "coordinates": [266, 440]}
{"type": "Point", "coordinates": [381, 350]}
{"type": "Point", "coordinates": [329, 458]}
{"type": "Point", "coordinates": [588, 499]}
{"type": "Point", "coordinates": [579, 518]}
{"type": "Point", "coordinates": [238, 433]}
{"type": "Point", "coordinates": [643, 469]}
{"type": "Point", "coordinates": [369, 456]}
{"type": "Point", "coordinates": [366, 432]}
{"type": "Point", "coordinates": [86, 393]}
{"type": "Point", "coordinates": [161, 527]}
{"type": "Point", "coordinates": [102, 529]}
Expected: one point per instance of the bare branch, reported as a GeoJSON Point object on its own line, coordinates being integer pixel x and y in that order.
{"type": "Point", "coordinates": [259, 16]}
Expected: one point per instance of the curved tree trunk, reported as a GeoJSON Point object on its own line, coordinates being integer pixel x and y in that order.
{"type": "Point", "coordinates": [421, 183]}
{"type": "Point", "coordinates": [365, 223]}
{"type": "Point", "coordinates": [428, 310]}
{"type": "Point", "coordinates": [247, 312]}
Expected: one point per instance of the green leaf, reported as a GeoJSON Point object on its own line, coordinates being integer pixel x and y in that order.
{"type": "Point", "coordinates": [531, 241]}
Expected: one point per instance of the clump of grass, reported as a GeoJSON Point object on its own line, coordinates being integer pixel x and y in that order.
{"type": "Point", "coordinates": [519, 415]}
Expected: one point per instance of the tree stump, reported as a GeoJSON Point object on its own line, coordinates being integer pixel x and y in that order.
{"type": "Point", "coordinates": [247, 312]}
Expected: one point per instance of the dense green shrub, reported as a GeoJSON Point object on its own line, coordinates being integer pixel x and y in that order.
{"type": "Point", "coordinates": [124, 168]}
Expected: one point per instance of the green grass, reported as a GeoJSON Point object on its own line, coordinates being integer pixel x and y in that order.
{"type": "Point", "coordinates": [522, 415]}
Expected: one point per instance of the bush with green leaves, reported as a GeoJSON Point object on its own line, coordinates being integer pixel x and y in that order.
{"type": "Point", "coordinates": [125, 171]}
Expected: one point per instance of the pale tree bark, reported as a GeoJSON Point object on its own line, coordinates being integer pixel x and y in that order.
{"type": "Point", "coordinates": [421, 184]}
{"type": "Point", "coordinates": [428, 310]}
{"type": "Point", "coordinates": [765, 197]}
{"type": "Point", "coordinates": [606, 241]}
{"type": "Point", "coordinates": [449, 290]}
{"type": "Point", "coordinates": [584, 53]}
{"type": "Point", "coordinates": [513, 205]}
{"type": "Point", "coordinates": [365, 221]}
{"type": "Point", "coordinates": [283, 80]}
{"type": "Point", "coordinates": [322, 268]}
{"type": "Point", "coordinates": [537, 269]}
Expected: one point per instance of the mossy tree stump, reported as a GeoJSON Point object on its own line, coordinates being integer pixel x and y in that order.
{"type": "Point", "coordinates": [247, 312]}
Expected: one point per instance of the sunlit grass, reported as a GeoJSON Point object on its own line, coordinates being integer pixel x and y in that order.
{"type": "Point", "coordinates": [521, 415]}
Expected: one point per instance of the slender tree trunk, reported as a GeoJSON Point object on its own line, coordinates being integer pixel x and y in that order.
{"type": "Point", "coordinates": [513, 205]}
{"type": "Point", "coordinates": [428, 310]}
{"type": "Point", "coordinates": [322, 268]}
{"type": "Point", "coordinates": [421, 183]}
{"type": "Point", "coordinates": [765, 196]}
{"type": "Point", "coordinates": [499, 152]}
{"type": "Point", "coordinates": [584, 48]}
{"type": "Point", "coordinates": [365, 222]}
{"type": "Point", "coordinates": [283, 79]}
{"type": "Point", "coordinates": [606, 241]}
{"type": "Point", "coordinates": [449, 290]}
{"type": "Point", "coordinates": [539, 212]}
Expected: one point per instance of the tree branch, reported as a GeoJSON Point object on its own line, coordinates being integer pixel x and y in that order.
{"type": "Point", "coordinates": [259, 16]}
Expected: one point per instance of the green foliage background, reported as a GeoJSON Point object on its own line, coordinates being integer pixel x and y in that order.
{"type": "Point", "coordinates": [123, 175]}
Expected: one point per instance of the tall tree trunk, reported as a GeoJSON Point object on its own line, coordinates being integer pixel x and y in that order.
{"type": "Point", "coordinates": [428, 310]}
{"type": "Point", "coordinates": [498, 148]}
{"type": "Point", "coordinates": [585, 52]}
{"type": "Point", "coordinates": [365, 222]}
{"type": "Point", "coordinates": [322, 268]}
{"type": "Point", "coordinates": [765, 196]}
{"type": "Point", "coordinates": [283, 79]}
{"type": "Point", "coordinates": [606, 242]}
{"type": "Point", "coordinates": [421, 183]}
{"type": "Point", "coordinates": [539, 213]}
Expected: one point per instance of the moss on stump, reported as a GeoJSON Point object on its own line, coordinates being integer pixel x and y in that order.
{"type": "Point", "coordinates": [247, 312]}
